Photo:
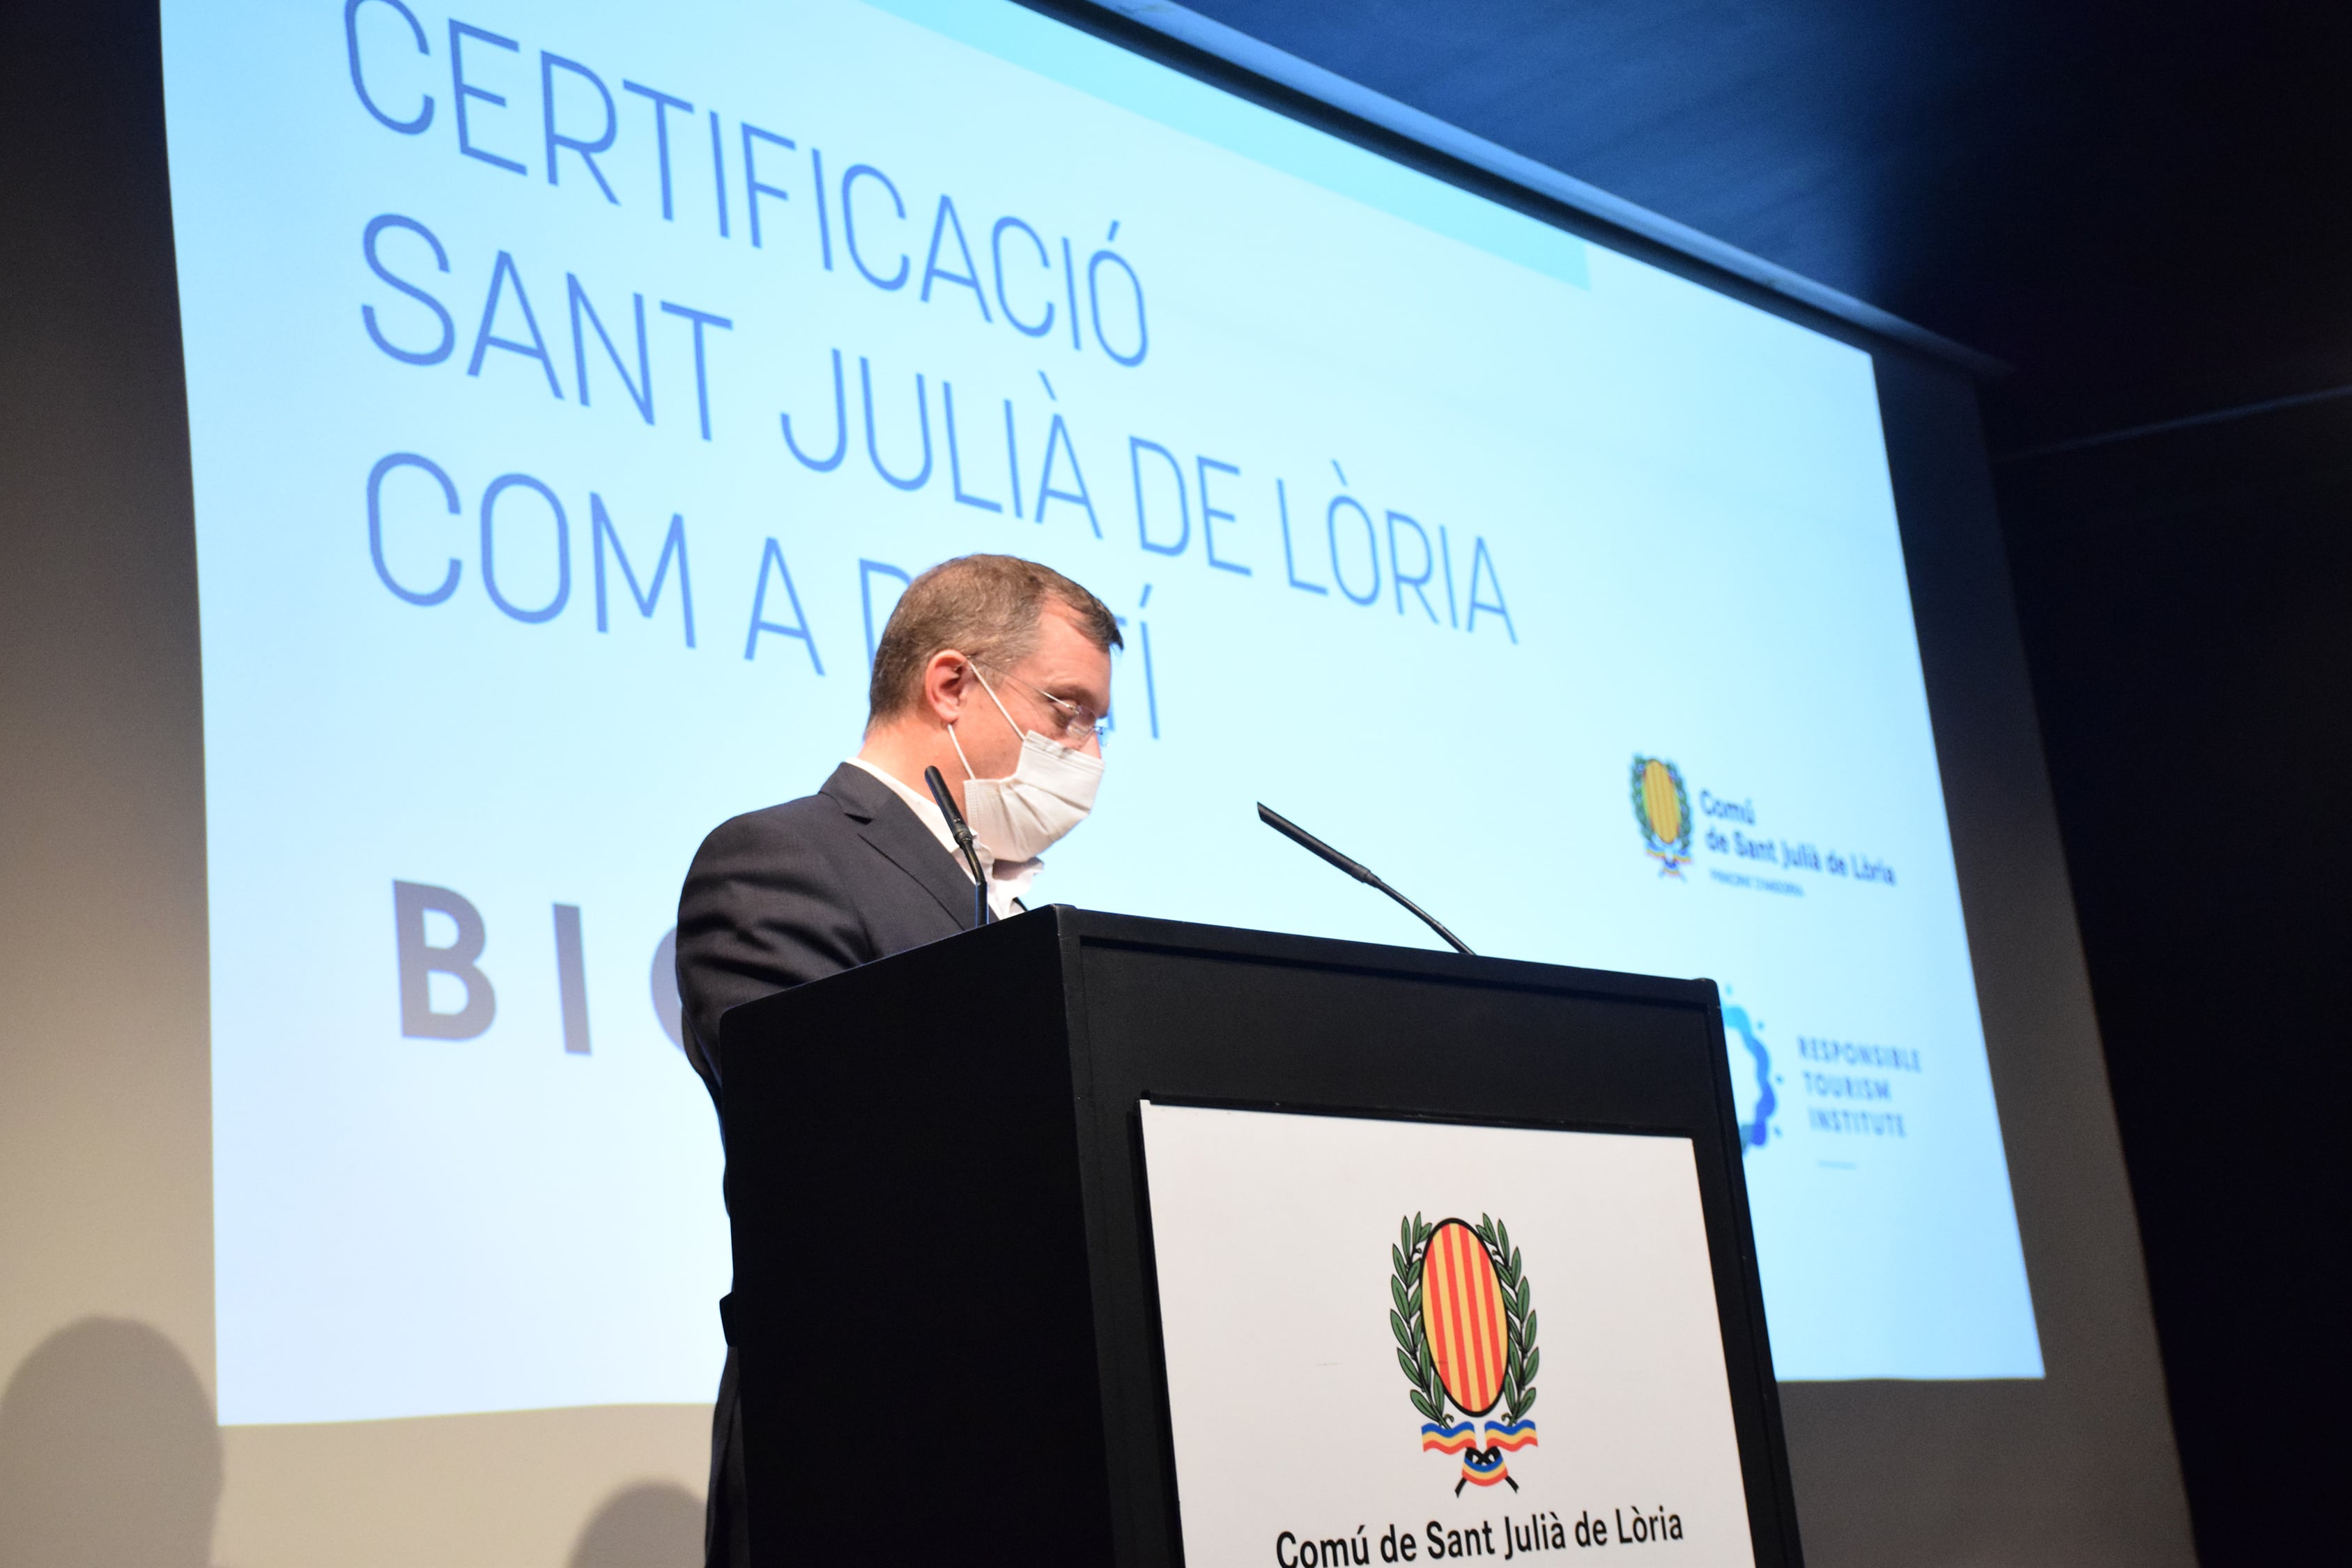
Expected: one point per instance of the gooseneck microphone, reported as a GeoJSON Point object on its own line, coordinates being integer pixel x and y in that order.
{"type": "Point", "coordinates": [962, 835]}
{"type": "Point", "coordinates": [1308, 842]}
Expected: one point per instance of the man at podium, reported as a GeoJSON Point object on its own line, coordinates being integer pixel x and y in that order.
{"type": "Point", "coordinates": [993, 670]}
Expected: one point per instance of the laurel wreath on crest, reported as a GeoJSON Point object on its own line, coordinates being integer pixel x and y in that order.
{"type": "Point", "coordinates": [1408, 1256]}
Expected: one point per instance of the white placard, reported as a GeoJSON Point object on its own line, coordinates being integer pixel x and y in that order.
{"type": "Point", "coordinates": [1299, 1437]}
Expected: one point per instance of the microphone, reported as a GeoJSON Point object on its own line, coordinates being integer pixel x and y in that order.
{"type": "Point", "coordinates": [1308, 841]}
{"type": "Point", "coordinates": [962, 835]}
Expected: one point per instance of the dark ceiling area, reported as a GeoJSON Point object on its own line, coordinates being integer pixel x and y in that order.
{"type": "Point", "coordinates": [2146, 211]}
{"type": "Point", "coordinates": [2143, 208]}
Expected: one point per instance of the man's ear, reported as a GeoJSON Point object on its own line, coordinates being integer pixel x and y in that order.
{"type": "Point", "coordinates": [947, 679]}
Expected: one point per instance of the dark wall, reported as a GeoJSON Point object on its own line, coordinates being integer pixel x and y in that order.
{"type": "Point", "coordinates": [2187, 605]}
{"type": "Point", "coordinates": [2074, 1468]}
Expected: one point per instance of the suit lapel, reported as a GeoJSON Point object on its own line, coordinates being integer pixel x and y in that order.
{"type": "Point", "coordinates": [899, 837]}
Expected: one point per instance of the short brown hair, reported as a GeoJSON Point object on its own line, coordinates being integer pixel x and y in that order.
{"type": "Point", "coordinates": [985, 608]}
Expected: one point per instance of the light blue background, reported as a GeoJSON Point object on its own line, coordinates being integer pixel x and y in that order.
{"type": "Point", "coordinates": [1686, 501]}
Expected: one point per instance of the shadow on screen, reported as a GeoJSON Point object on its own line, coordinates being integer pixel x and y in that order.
{"type": "Point", "coordinates": [653, 1524]}
{"type": "Point", "coordinates": [108, 1453]}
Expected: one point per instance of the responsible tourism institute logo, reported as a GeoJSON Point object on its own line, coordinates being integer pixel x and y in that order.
{"type": "Point", "coordinates": [1465, 1320]}
{"type": "Point", "coordinates": [1757, 1130]}
{"type": "Point", "coordinates": [1661, 807]}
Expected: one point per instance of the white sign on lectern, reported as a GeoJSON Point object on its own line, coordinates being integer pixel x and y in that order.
{"type": "Point", "coordinates": [1406, 1340]}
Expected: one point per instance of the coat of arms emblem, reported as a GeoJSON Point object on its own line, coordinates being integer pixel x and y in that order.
{"type": "Point", "coordinates": [1661, 808]}
{"type": "Point", "coordinates": [1464, 1315]}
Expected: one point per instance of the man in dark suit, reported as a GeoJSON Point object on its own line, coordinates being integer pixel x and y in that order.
{"type": "Point", "coordinates": [994, 670]}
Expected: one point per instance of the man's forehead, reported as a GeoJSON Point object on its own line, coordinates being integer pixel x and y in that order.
{"type": "Point", "coordinates": [1059, 631]}
{"type": "Point", "coordinates": [1063, 648]}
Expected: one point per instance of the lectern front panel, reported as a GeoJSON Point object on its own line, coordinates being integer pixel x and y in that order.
{"type": "Point", "coordinates": [1354, 1036]}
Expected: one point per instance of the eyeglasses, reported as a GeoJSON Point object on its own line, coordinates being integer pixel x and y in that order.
{"type": "Point", "coordinates": [1076, 719]}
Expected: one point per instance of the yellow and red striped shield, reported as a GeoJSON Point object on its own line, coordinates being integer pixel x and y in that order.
{"type": "Point", "coordinates": [1462, 1314]}
{"type": "Point", "coordinates": [1662, 801]}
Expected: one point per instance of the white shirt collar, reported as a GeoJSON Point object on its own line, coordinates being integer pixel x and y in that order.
{"type": "Point", "coordinates": [1007, 880]}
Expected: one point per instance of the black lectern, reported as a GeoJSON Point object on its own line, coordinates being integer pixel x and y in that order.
{"type": "Point", "coordinates": [947, 1303]}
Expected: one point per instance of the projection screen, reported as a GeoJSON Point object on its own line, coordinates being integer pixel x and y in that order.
{"type": "Point", "coordinates": [572, 389]}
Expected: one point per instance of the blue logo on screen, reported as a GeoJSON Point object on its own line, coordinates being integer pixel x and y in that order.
{"type": "Point", "coordinates": [1757, 1129]}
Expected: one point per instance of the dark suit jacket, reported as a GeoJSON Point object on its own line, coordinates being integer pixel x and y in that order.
{"type": "Point", "coordinates": [805, 889]}
{"type": "Point", "coordinates": [773, 898]}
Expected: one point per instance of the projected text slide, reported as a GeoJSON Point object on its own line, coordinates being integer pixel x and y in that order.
{"type": "Point", "coordinates": [573, 387]}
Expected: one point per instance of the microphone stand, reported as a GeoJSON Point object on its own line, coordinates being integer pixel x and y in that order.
{"type": "Point", "coordinates": [962, 835]}
{"type": "Point", "coordinates": [1315, 846]}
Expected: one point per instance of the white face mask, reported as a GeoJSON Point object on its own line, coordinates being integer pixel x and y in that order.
{"type": "Point", "coordinates": [1051, 791]}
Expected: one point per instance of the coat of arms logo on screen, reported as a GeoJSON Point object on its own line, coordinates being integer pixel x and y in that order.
{"type": "Point", "coordinates": [1661, 808]}
{"type": "Point", "coordinates": [1465, 1320]}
